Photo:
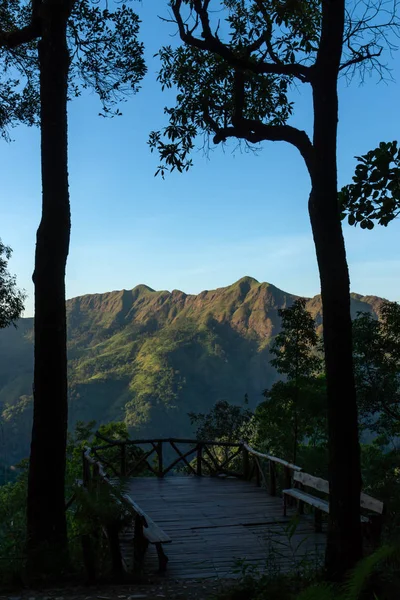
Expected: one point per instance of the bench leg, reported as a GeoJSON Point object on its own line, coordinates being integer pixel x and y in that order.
{"type": "Point", "coordinates": [140, 544]}
{"type": "Point", "coordinates": [162, 558]}
{"type": "Point", "coordinates": [284, 505]}
{"type": "Point", "coordinates": [318, 520]}
{"type": "Point", "coordinates": [300, 508]}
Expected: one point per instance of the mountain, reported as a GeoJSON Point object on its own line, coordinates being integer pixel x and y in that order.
{"type": "Point", "coordinates": [149, 357]}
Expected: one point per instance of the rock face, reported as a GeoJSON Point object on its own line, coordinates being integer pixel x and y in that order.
{"type": "Point", "coordinates": [150, 357]}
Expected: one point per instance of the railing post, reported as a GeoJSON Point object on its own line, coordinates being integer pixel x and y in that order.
{"type": "Point", "coordinates": [288, 478]}
{"type": "Point", "coordinates": [123, 459]}
{"type": "Point", "coordinates": [288, 485]}
{"type": "Point", "coordinates": [258, 474]}
{"type": "Point", "coordinates": [160, 459]}
{"type": "Point", "coordinates": [199, 459]}
{"type": "Point", "coordinates": [272, 478]}
{"type": "Point", "coordinates": [115, 550]}
{"type": "Point", "coordinates": [246, 463]}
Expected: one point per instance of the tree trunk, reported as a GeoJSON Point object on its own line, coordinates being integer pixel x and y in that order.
{"type": "Point", "coordinates": [46, 522]}
{"type": "Point", "coordinates": [344, 544]}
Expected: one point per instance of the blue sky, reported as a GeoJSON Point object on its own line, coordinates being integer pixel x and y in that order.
{"type": "Point", "coordinates": [233, 214]}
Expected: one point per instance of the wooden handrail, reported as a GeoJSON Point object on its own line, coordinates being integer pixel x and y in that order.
{"type": "Point", "coordinates": [280, 461]}
{"type": "Point", "coordinates": [165, 440]}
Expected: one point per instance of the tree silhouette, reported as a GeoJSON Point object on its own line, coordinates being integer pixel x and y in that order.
{"type": "Point", "coordinates": [234, 73]}
{"type": "Point", "coordinates": [75, 44]}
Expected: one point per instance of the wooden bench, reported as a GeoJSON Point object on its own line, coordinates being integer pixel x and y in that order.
{"type": "Point", "coordinates": [372, 524]}
{"type": "Point", "coordinates": [147, 532]}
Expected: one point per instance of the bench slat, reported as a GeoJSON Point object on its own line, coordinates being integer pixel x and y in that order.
{"type": "Point", "coordinates": [322, 485]}
{"type": "Point", "coordinates": [308, 498]}
{"type": "Point", "coordinates": [313, 501]}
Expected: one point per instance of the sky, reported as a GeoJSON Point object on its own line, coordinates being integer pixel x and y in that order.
{"type": "Point", "coordinates": [232, 214]}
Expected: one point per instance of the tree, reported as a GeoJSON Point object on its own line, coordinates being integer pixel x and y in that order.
{"type": "Point", "coordinates": [374, 194]}
{"type": "Point", "coordinates": [234, 72]}
{"type": "Point", "coordinates": [377, 368]}
{"type": "Point", "coordinates": [294, 349]}
{"type": "Point", "coordinates": [291, 424]}
{"type": "Point", "coordinates": [79, 44]}
{"type": "Point", "coordinates": [11, 298]}
{"type": "Point", "coordinates": [224, 422]}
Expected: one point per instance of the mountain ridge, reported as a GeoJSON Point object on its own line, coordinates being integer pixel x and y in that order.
{"type": "Point", "coordinates": [149, 357]}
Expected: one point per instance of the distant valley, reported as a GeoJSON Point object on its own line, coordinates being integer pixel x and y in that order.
{"type": "Point", "coordinates": [149, 357]}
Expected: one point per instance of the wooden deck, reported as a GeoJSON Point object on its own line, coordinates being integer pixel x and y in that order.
{"type": "Point", "coordinates": [214, 522]}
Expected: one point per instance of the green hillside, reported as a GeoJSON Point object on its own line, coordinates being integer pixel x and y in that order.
{"type": "Point", "coordinates": [149, 357]}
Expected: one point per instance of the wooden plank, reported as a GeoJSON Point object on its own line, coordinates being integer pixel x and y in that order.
{"type": "Point", "coordinates": [322, 485]}
{"type": "Point", "coordinates": [207, 517]}
{"type": "Point", "coordinates": [308, 498]}
{"type": "Point", "coordinates": [370, 503]}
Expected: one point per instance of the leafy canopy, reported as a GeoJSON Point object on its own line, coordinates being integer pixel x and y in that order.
{"type": "Point", "coordinates": [294, 347]}
{"type": "Point", "coordinates": [377, 368]}
{"type": "Point", "coordinates": [11, 298]}
{"type": "Point", "coordinates": [374, 194]}
{"type": "Point", "coordinates": [239, 61]}
{"type": "Point", "coordinates": [105, 54]}
{"type": "Point", "coordinates": [294, 409]}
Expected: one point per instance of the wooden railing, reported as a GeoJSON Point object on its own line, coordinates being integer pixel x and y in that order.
{"type": "Point", "coordinates": [158, 457]}
{"type": "Point", "coordinates": [277, 474]}
{"type": "Point", "coordinates": [126, 458]}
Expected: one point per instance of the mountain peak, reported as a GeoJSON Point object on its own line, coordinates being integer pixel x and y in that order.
{"type": "Point", "coordinates": [245, 279]}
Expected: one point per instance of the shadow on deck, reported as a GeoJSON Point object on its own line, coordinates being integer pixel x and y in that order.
{"type": "Point", "coordinates": [215, 521]}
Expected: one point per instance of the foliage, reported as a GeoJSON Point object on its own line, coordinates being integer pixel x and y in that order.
{"type": "Point", "coordinates": [381, 479]}
{"type": "Point", "coordinates": [212, 94]}
{"type": "Point", "coordinates": [359, 581]}
{"type": "Point", "coordinates": [13, 527]}
{"type": "Point", "coordinates": [294, 347]}
{"type": "Point", "coordinates": [295, 408]}
{"type": "Point", "coordinates": [374, 578]}
{"type": "Point", "coordinates": [11, 298]}
{"type": "Point", "coordinates": [106, 56]}
{"type": "Point", "coordinates": [375, 193]}
{"type": "Point", "coordinates": [280, 424]}
{"type": "Point", "coordinates": [86, 514]}
{"type": "Point", "coordinates": [224, 422]}
{"type": "Point", "coordinates": [268, 579]}
{"type": "Point", "coordinates": [376, 345]}
{"type": "Point", "coordinates": [237, 66]}
{"type": "Point", "coordinates": [19, 86]}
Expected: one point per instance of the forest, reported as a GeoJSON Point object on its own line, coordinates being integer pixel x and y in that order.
{"type": "Point", "coordinates": [326, 368]}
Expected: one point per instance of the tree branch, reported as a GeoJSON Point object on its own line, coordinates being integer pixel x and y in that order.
{"type": "Point", "coordinates": [360, 57]}
{"type": "Point", "coordinates": [255, 132]}
{"type": "Point", "coordinates": [12, 39]}
{"type": "Point", "coordinates": [212, 43]}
